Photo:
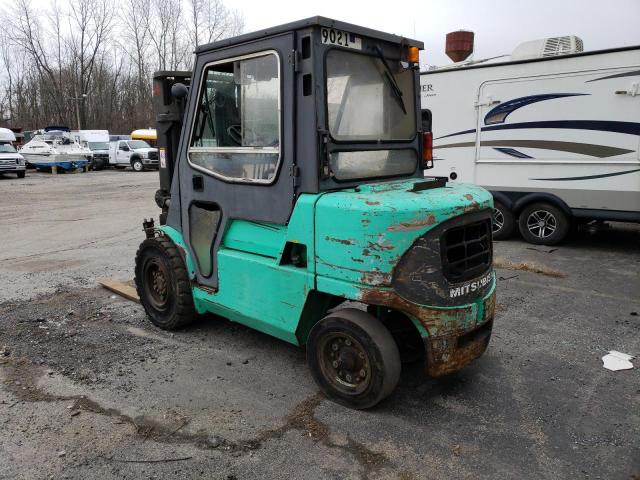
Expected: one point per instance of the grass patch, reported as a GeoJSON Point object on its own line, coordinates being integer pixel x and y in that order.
{"type": "Point", "coordinates": [527, 267]}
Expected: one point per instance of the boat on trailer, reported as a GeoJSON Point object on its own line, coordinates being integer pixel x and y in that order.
{"type": "Point", "coordinates": [55, 147]}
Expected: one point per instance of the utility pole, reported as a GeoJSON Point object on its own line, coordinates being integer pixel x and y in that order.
{"type": "Point", "coordinates": [76, 100]}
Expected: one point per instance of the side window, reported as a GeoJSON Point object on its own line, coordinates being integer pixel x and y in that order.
{"type": "Point", "coordinates": [236, 134]}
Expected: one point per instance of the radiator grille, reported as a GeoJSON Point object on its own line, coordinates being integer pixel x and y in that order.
{"type": "Point", "coordinates": [466, 251]}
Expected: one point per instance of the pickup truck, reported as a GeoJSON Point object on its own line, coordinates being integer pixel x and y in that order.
{"type": "Point", "coordinates": [134, 153]}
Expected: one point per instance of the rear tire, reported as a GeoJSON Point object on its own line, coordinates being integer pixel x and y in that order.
{"type": "Point", "coordinates": [163, 284]}
{"type": "Point", "coordinates": [504, 222]}
{"type": "Point", "coordinates": [137, 165]}
{"type": "Point", "coordinates": [543, 224]}
{"type": "Point", "coordinates": [353, 358]}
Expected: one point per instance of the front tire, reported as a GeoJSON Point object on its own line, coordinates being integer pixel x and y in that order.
{"type": "Point", "coordinates": [543, 224]}
{"type": "Point", "coordinates": [21, 174]}
{"type": "Point", "coordinates": [353, 358]}
{"type": "Point", "coordinates": [137, 165]}
{"type": "Point", "coordinates": [162, 283]}
{"type": "Point", "coordinates": [504, 222]}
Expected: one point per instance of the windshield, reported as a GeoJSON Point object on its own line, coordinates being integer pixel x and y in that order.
{"type": "Point", "coordinates": [138, 144]}
{"type": "Point", "coordinates": [362, 103]}
{"type": "Point", "coordinates": [7, 148]}
{"type": "Point", "coordinates": [98, 146]}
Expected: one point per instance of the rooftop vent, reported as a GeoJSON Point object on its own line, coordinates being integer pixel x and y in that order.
{"type": "Point", "coordinates": [548, 47]}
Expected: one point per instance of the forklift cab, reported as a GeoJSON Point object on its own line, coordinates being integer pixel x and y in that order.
{"type": "Point", "coordinates": [306, 107]}
{"type": "Point", "coordinates": [292, 179]}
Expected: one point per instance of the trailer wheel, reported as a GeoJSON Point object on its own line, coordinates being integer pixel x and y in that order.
{"type": "Point", "coordinates": [543, 224]}
{"type": "Point", "coordinates": [163, 284]}
{"type": "Point", "coordinates": [353, 358]}
{"type": "Point", "coordinates": [137, 165]}
{"type": "Point", "coordinates": [504, 222]}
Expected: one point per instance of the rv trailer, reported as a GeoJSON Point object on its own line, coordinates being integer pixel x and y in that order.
{"type": "Point", "coordinates": [554, 138]}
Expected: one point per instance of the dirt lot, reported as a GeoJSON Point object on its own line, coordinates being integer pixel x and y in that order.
{"type": "Point", "coordinates": [90, 389]}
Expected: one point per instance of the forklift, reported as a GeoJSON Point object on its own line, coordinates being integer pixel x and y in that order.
{"type": "Point", "coordinates": [294, 201]}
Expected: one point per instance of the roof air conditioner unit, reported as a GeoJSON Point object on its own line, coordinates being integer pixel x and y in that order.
{"type": "Point", "coordinates": [548, 47]}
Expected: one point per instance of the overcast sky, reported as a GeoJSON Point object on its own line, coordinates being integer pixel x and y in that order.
{"type": "Point", "coordinates": [499, 25]}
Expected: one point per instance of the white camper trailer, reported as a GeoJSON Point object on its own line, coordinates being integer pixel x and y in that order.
{"type": "Point", "coordinates": [556, 139]}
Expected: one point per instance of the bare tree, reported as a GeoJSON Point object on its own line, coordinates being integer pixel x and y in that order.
{"type": "Point", "coordinates": [90, 22]}
{"type": "Point", "coordinates": [107, 49]}
{"type": "Point", "coordinates": [211, 20]}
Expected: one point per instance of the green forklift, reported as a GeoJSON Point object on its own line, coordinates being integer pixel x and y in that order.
{"type": "Point", "coordinates": [294, 201]}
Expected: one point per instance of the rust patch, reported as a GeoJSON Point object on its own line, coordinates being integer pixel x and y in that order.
{"type": "Point", "coordinates": [468, 196]}
{"type": "Point", "coordinates": [449, 354]}
{"type": "Point", "coordinates": [370, 202]}
{"type": "Point", "coordinates": [340, 240]}
{"type": "Point", "coordinates": [416, 224]}
{"type": "Point", "coordinates": [430, 318]}
{"type": "Point", "coordinates": [448, 350]}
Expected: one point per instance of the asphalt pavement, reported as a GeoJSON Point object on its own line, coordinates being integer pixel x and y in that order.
{"type": "Point", "coordinates": [90, 389]}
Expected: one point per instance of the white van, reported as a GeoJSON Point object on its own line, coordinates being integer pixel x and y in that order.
{"type": "Point", "coordinates": [10, 160]}
{"type": "Point", "coordinates": [555, 139]}
{"type": "Point", "coordinates": [98, 142]}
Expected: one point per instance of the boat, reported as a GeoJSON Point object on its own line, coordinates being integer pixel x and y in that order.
{"type": "Point", "coordinates": [55, 147]}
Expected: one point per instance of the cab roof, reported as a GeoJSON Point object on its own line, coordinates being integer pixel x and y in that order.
{"type": "Point", "coordinates": [310, 22]}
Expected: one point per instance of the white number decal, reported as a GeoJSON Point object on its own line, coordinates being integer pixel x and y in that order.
{"type": "Point", "coordinates": [341, 38]}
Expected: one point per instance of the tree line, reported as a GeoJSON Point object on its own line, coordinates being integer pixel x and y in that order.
{"type": "Point", "coordinates": [89, 63]}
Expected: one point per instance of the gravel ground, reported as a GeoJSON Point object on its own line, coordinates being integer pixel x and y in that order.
{"type": "Point", "coordinates": [90, 389]}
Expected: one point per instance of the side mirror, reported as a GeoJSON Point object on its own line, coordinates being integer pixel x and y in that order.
{"type": "Point", "coordinates": [179, 90]}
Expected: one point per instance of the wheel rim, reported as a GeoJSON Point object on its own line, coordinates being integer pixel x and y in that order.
{"type": "Point", "coordinates": [498, 220]}
{"type": "Point", "coordinates": [156, 285]}
{"type": "Point", "coordinates": [541, 223]}
{"type": "Point", "coordinates": [344, 363]}
{"type": "Point", "coordinates": [137, 166]}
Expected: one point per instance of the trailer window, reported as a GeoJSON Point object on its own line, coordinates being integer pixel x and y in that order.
{"type": "Point", "coordinates": [236, 134]}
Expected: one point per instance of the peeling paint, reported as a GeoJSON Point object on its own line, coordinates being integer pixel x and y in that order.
{"type": "Point", "coordinates": [339, 240]}
{"type": "Point", "coordinates": [417, 224]}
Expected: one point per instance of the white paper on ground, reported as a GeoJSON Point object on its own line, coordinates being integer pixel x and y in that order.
{"type": "Point", "coordinates": [617, 361]}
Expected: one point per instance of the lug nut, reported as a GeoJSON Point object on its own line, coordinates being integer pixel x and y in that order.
{"type": "Point", "coordinates": [363, 373]}
{"type": "Point", "coordinates": [348, 377]}
{"type": "Point", "coordinates": [334, 346]}
{"type": "Point", "coordinates": [335, 364]}
{"type": "Point", "coordinates": [347, 342]}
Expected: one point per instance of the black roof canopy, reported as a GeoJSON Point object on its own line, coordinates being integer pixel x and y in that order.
{"type": "Point", "coordinates": [310, 22]}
